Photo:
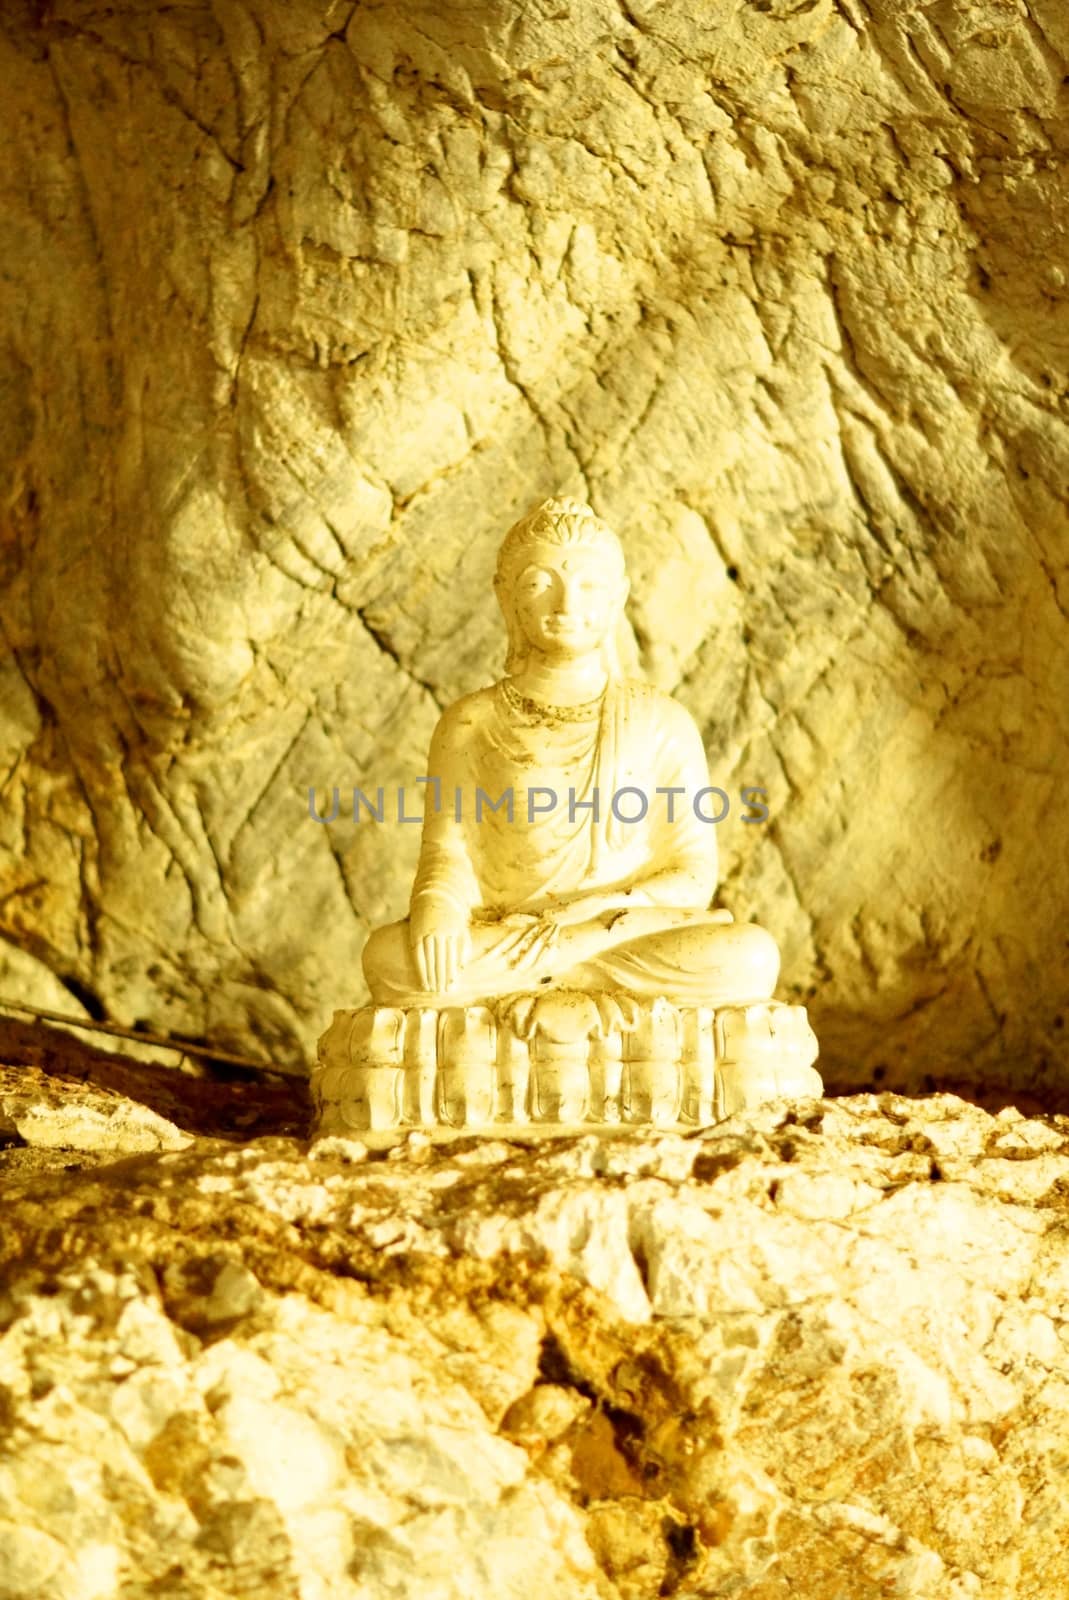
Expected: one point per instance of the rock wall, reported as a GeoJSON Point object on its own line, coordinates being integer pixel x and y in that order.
{"type": "Point", "coordinates": [303, 303]}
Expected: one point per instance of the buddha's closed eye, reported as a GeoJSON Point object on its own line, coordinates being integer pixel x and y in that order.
{"type": "Point", "coordinates": [535, 583]}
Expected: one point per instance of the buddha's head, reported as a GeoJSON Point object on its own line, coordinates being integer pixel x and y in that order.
{"type": "Point", "coordinates": [561, 585]}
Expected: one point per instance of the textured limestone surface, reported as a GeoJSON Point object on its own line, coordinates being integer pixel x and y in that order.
{"type": "Point", "coordinates": [819, 1351]}
{"type": "Point", "coordinates": [303, 303]}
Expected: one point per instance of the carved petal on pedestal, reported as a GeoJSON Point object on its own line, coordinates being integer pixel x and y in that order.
{"type": "Point", "coordinates": [764, 1053]}
{"type": "Point", "coordinates": [655, 1035]}
{"type": "Point", "coordinates": [617, 1012]}
{"type": "Point", "coordinates": [373, 1098]}
{"type": "Point", "coordinates": [698, 1058]}
{"type": "Point", "coordinates": [771, 1032]}
{"type": "Point", "coordinates": [516, 1013]}
{"type": "Point", "coordinates": [651, 1085]}
{"type": "Point", "coordinates": [467, 1059]}
{"type": "Point", "coordinates": [377, 1036]}
{"type": "Point", "coordinates": [328, 1083]}
{"type": "Point", "coordinates": [513, 1076]}
{"type": "Point", "coordinates": [565, 1016]}
{"type": "Point", "coordinates": [742, 1033]}
{"type": "Point", "coordinates": [792, 1022]}
{"type": "Point", "coordinates": [650, 1091]}
{"type": "Point", "coordinates": [333, 1045]}
{"type": "Point", "coordinates": [421, 1066]}
{"type": "Point", "coordinates": [606, 1067]}
{"type": "Point", "coordinates": [560, 1082]}
{"type": "Point", "coordinates": [354, 1114]}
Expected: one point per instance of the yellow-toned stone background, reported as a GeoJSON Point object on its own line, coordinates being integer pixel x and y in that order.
{"type": "Point", "coordinates": [303, 303]}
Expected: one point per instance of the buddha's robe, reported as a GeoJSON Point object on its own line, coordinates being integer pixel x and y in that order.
{"type": "Point", "coordinates": [502, 870]}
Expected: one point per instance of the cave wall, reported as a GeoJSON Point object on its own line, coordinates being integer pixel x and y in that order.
{"type": "Point", "coordinates": [302, 304]}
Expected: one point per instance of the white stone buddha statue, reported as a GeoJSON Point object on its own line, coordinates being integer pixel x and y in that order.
{"type": "Point", "coordinates": [563, 892]}
{"type": "Point", "coordinates": [566, 851]}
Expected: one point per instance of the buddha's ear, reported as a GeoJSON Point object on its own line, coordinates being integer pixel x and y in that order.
{"type": "Point", "coordinates": [501, 590]}
{"type": "Point", "coordinates": [624, 590]}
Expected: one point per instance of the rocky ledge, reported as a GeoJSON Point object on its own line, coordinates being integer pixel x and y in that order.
{"type": "Point", "coordinates": [818, 1351]}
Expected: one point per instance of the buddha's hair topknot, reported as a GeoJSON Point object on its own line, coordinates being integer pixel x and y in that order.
{"type": "Point", "coordinates": [561, 521]}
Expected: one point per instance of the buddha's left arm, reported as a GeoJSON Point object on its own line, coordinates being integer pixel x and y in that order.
{"type": "Point", "coordinates": [683, 868]}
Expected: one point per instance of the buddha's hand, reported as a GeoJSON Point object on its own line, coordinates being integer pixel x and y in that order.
{"type": "Point", "coordinates": [592, 907]}
{"type": "Point", "coordinates": [533, 936]}
{"type": "Point", "coordinates": [441, 944]}
{"type": "Point", "coordinates": [529, 937]}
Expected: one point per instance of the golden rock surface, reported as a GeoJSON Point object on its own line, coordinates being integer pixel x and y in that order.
{"type": "Point", "coordinates": [818, 1350]}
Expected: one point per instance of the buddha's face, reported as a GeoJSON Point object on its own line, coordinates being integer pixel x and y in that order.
{"type": "Point", "coordinates": [568, 599]}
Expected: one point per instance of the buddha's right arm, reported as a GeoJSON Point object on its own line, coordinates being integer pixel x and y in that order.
{"type": "Point", "coordinates": [445, 890]}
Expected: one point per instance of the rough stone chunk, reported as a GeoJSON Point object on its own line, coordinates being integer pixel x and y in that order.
{"type": "Point", "coordinates": [818, 1350]}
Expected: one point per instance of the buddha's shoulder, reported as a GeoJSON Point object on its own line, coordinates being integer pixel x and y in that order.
{"type": "Point", "coordinates": [470, 711]}
{"type": "Point", "coordinates": [652, 705]}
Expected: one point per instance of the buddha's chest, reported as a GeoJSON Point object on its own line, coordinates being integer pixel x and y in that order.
{"type": "Point", "coordinates": [521, 759]}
